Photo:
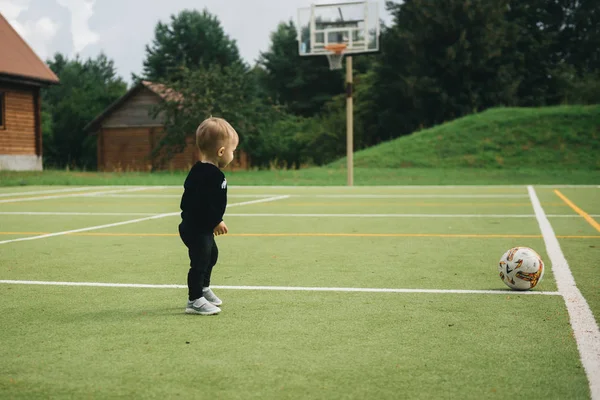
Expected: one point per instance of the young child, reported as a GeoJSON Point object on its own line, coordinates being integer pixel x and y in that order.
{"type": "Point", "coordinates": [202, 207]}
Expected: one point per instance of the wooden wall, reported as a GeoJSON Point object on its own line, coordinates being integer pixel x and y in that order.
{"type": "Point", "coordinates": [128, 135]}
{"type": "Point", "coordinates": [185, 159]}
{"type": "Point", "coordinates": [240, 162]}
{"type": "Point", "coordinates": [124, 149]}
{"type": "Point", "coordinates": [19, 134]}
{"type": "Point", "coordinates": [129, 149]}
{"type": "Point", "coordinates": [135, 111]}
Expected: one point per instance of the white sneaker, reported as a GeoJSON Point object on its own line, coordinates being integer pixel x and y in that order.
{"type": "Point", "coordinates": [201, 306]}
{"type": "Point", "coordinates": [209, 295]}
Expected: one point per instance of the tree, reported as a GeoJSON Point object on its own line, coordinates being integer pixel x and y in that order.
{"type": "Point", "coordinates": [440, 60]}
{"type": "Point", "coordinates": [579, 34]}
{"type": "Point", "coordinates": [86, 88]}
{"type": "Point", "coordinates": [557, 48]}
{"type": "Point", "coordinates": [303, 84]}
{"type": "Point", "coordinates": [190, 41]}
{"type": "Point", "coordinates": [212, 91]}
{"type": "Point", "coordinates": [536, 49]}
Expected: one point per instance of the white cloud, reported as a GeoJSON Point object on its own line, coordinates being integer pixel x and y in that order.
{"type": "Point", "coordinates": [81, 12]}
{"type": "Point", "coordinates": [12, 8]}
{"type": "Point", "coordinates": [46, 26]}
{"type": "Point", "coordinates": [37, 33]}
{"type": "Point", "coordinates": [87, 26]}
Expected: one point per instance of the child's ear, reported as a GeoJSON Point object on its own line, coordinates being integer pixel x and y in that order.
{"type": "Point", "coordinates": [221, 151]}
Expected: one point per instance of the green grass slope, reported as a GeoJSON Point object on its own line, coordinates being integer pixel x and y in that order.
{"type": "Point", "coordinates": [564, 137]}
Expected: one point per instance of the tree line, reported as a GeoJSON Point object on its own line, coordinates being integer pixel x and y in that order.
{"type": "Point", "coordinates": [438, 60]}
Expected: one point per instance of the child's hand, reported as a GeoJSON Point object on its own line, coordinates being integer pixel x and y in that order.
{"type": "Point", "coordinates": [220, 229]}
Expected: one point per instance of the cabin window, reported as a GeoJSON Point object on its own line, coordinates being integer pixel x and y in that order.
{"type": "Point", "coordinates": [2, 108]}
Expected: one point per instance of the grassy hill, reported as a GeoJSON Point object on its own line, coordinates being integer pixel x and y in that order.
{"type": "Point", "coordinates": [565, 137]}
{"type": "Point", "coordinates": [554, 145]}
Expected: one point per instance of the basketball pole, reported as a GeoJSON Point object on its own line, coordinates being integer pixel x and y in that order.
{"type": "Point", "coordinates": [349, 122]}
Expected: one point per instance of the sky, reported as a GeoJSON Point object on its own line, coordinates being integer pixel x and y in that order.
{"type": "Point", "coordinates": [122, 28]}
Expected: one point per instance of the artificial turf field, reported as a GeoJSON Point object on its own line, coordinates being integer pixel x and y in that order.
{"type": "Point", "coordinates": [329, 293]}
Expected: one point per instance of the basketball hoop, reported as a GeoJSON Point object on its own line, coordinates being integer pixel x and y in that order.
{"type": "Point", "coordinates": [335, 55]}
{"type": "Point", "coordinates": [349, 27]}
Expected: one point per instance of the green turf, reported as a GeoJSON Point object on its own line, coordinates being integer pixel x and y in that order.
{"type": "Point", "coordinates": [587, 199]}
{"type": "Point", "coordinates": [406, 206]}
{"type": "Point", "coordinates": [102, 342]}
{"type": "Point", "coordinates": [109, 343]}
{"type": "Point", "coordinates": [273, 261]}
{"type": "Point", "coordinates": [47, 224]}
{"type": "Point", "coordinates": [582, 254]}
{"type": "Point", "coordinates": [325, 176]}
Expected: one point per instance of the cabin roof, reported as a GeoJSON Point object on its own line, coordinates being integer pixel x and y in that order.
{"type": "Point", "coordinates": [18, 62]}
{"type": "Point", "coordinates": [159, 89]}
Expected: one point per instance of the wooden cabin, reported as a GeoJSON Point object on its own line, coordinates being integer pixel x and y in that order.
{"type": "Point", "coordinates": [22, 75]}
{"type": "Point", "coordinates": [127, 133]}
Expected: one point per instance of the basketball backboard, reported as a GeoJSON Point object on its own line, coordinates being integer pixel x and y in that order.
{"type": "Point", "coordinates": [325, 28]}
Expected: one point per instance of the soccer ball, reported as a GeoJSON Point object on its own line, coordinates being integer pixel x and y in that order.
{"type": "Point", "coordinates": [521, 268]}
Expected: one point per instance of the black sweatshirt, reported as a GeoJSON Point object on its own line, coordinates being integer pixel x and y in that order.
{"type": "Point", "coordinates": [204, 199]}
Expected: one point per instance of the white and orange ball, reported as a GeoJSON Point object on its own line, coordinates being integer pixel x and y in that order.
{"type": "Point", "coordinates": [521, 268]}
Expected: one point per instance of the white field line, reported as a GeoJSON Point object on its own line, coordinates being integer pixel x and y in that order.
{"type": "Point", "coordinates": [130, 188]}
{"type": "Point", "coordinates": [410, 187]}
{"type": "Point", "coordinates": [83, 213]}
{"type": "Point", "coordinates": [258, 201]}
{"type": "Point", "coordinates": [91, 228]}
{"type": "Point", "coordinates": [72, 195]}
{"type": "Point", "coordinates": [349, 188]}
{"type": "Point", "coordinates": [401, 215]}
{"type": "Point", "coordinates": [282, 288]}
{"type": "Point", "coordinates": [346, 196]}
{"type": "Point", "coordinates": [159, 196]}
{"type": "Point", "coordinates": [571, 216]}
{"type": "Point", "coordinates": [407, 187]}
{"type": "Point", "coordinates": [66, 213]}
{"type": "Point", "coordinates": [417, 196]}
{"type": "Point", "coordinates": [77, 189]}
{"type": "Point", "coordinates": [585, 328]}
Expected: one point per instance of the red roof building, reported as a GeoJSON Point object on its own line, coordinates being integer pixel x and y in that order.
{"type": "Point", "coordinates": [127, 133]}
{"type": "Point", "coordinates": [22, 75]}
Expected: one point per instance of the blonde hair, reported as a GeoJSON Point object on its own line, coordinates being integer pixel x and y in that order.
{"type": "Point", "coordinates": [213, 133]}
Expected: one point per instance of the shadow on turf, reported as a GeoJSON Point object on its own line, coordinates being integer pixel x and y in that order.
{"type": "Point", "coordinates": [115, 315]}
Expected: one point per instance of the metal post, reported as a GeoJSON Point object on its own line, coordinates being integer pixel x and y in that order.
{"type": "Point", "coordinates": [366, 20]}
{"type": "Point", "coordinates": [313, 28]}
{"type": "Point", "coordinates": [349, 122]}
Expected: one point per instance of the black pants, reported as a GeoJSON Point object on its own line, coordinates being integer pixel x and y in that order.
{"type": "Point", "coordinates": [203, 253]}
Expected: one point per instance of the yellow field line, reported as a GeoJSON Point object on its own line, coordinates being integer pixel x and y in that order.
{"type": "Point", "coordinates": [348, 203]}
{"type": "Point", "coordinates": [441, 235]}
{"type": "Point", "coordinates": [398, 203]}
{"type": "Point", "coordinates": [381, 235]}
{"type": "Point", "coordinates": [578, 210]}
{"type": "Point", "coordinates": [23, 233]}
